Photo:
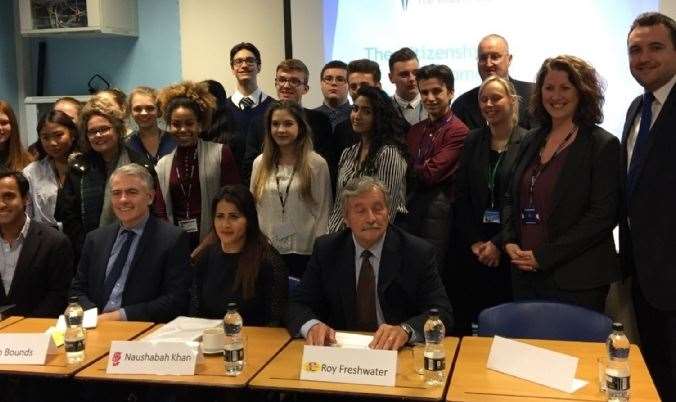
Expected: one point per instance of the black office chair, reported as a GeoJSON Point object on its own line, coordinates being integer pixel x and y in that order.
{"type": "Point", "coordinates": [544, 320]}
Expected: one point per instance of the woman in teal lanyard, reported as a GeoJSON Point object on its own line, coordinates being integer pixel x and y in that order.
{"type": "Point", "coordinates": [485, 172]}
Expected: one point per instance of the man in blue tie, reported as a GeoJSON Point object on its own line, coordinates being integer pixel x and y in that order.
{"type": "Point", "coordinates": [648, 222]}
{"type": "Point", "coordinates": [137, 269]}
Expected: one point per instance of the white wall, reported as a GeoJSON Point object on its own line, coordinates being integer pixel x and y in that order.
{"type": "Point", "coordinates": [209, 28]}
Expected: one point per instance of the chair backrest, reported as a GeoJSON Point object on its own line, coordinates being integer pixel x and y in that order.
{"type": "Point", "coordinates": [293, 284]}
{"type": "Point", "coordinates": [544, 320]}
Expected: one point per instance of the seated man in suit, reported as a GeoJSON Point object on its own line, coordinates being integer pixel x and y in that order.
{"type": "Point", "coordinates": [493, 58]}
{"type": "Point", "coordinates": [370, 277]}
{"type": "Point", "coordinates": [36, 260]}
{"type": "Point", "coordinates": [138, 269]}
{"type": "Point", "coordinates": [291, 83]}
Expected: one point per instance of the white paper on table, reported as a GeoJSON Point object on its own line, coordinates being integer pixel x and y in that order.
{"type": "Point", "coordinates": [353, 341]}
{"type": "Point", "coordinates": [543, 366]}
{"type": "Point", "coordinates": [182, 329]}
{"type": "Point", "coordinates": [89, 320]}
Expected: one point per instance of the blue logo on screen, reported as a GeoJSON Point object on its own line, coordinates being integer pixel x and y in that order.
{"type": "Point", "coordinates": [404, 4]}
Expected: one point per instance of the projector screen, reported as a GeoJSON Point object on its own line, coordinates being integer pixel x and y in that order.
{"type": "Point", "coordinates": [448, 31]}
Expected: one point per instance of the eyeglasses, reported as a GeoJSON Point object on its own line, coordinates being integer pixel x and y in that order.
{"type": "Point", "coordinates": [337, 79]}
{"type": "Point", "coordinates": [92, 132]}
{"type": "Point", "coordinates": [250, 61]}
{"type": "Point", "coordinates": [294, 82]}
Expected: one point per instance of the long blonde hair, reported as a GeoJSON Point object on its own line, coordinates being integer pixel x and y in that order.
{"type": "Point", "coordinates": [271, 152]}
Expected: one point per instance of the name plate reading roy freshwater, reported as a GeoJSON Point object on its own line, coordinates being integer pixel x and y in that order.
{"type": "Point", "coordinates": [346, 365]}
{"type": "Point", "coordinates": [26, 348]}
{"type": "Point", "coordinates": [148, 357]}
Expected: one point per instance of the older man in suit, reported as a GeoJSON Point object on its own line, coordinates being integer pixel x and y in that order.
{"type": "Point", "coordinates": [137, 270]}
{"type": "Point", "coordinates": [370, 277]}
{"type": "Point", "coordinates": [36, 260]}
{"type": "Point", "coordinates": [647, 227]}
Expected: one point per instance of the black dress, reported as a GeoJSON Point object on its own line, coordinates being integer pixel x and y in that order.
{"type": "Point", "coordinates": [213, 288]}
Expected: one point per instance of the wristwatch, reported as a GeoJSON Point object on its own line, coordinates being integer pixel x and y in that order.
{"type": "Point", "coordinates": [408, 329]}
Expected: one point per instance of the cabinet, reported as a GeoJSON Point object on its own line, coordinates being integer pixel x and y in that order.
{"type": "Point", "coordinates": [91, 18]}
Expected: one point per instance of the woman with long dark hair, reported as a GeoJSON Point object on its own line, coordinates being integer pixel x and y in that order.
{"type": "Point", "coordinates": [380, 152]}
{"type": "Point", "coordinates": [57, 140]}
{"type": "Point", "coordinates": [242, 266]}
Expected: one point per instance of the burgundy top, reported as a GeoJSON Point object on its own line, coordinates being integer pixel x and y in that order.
{"type": "Point", "coordinates": [435, 147]}
{"type": "Point", "coordinates": [533, 236]}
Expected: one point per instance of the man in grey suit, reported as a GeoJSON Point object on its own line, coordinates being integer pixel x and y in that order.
{"type": "Point", "coordinates": [648, 221]}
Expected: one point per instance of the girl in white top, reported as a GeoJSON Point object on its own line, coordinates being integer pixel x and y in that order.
{"type": "Point", "coordinates": [57, 136]}
{"type": "Point", "coordinates": [291, 185]}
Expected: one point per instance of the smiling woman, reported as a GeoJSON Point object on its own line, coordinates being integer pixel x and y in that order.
{"type": "Point", "coordinates": [84, 205]}
{"type": "Point", "coordinates": [190, 176]}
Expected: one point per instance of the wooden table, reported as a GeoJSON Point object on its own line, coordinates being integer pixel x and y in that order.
{"type": "Point", "coordinates": [262, 344]}
{"type": "Point", "coordinates": [473, 382]}
{"type": "Point", "coordinates": [283, 374]}
{"type": "Point", "coordinates": [9, 321]}
{"type": "Point", "coordinates": [98, 343]}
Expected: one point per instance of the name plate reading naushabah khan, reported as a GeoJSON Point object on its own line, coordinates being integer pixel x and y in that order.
{"type": "Point", "coordinates": [148, 357]}
{"type": "Point", "coordinates": [26, 348]}
{"type": "Point", "coordinates": [346, 365]}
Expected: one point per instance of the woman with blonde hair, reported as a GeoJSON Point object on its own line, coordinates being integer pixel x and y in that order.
{"type": "Point", "coordinates": [12, 154]}
{"type": "Point", "coordinates": [291, 185]}
{"type": "Point", "coordinates": [191, 175]}
{"type": "Point", "coordinates": [486, 166]}
{"type": "Point", "coordinates": [144, 107]}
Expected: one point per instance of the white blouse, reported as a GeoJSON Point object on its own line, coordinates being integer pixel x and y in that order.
{"type": "Point", "coordinates": [294, 228]}
{"type": "Point", "coordinates": [43, 190]}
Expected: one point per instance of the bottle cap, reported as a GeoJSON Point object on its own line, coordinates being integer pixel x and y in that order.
{"type": "Point", "coordinates": [617, 326]}
{"type": "Point", "coordinates": [73, 299]}
{"type": "Point", "coordinates": [232, 306]}
{"type": "Point", "coordinates": [434, 311]}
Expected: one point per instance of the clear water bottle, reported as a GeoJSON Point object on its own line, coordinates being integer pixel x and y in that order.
{"type": "Point", "coordinates": [233, 351]}
{"type": "Point", "coordinates": [74, 341]}
{"type": "Point", "coordinates": [617, 370]}
{"type": "Point", "coordinates": [434, 357]}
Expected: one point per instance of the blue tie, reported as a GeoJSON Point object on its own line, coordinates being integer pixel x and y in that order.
{"type": "Point", "coordinates": [120, 260]}
{"type": "Point", "coordinates": [638, 155]}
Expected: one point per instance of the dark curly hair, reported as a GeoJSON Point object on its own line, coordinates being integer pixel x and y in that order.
{"type": "Point", "coordinates": [585, 79]}
{"type": "Point", "coordinates": [389, 128]}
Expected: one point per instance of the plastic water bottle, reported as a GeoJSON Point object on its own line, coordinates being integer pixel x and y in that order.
{"type": "Point", "coordinates": [75, 336]}
{"type": "Point", "coordinates": [617, 371]}
{"type": "Point", "coordinates": [435, 357]}
{"type": "Point", "coordinates": [233, 351]}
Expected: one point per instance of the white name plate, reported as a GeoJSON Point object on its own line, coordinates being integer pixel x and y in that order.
{"type": "Point", "coordinates": [347, 365]}
{"type": "Point", "coordinates": [543, 366]}
{"type": "Point", "coordinates": [25, 348]}
{"type": "Point", "coordinates": [147, 357]}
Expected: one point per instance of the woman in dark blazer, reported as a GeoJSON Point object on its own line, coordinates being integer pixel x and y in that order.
{"type": "Point", "coordinates": [485, 172]}
{"type": "Point", "coordinates": [242, 266]}
{"type": "Point", "coordinates": [563, 205]}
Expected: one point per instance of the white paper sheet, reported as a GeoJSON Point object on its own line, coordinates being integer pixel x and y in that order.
{"type": "Point", "coordinates": [89, 320]}
{"type": "Point", "coordinates": [543, 366]}
{"type": "Point", "coordinates": [182, 329]}
{"type": "Point", "coordinates": [353, 341]}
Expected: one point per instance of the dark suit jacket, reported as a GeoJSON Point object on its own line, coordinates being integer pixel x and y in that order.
{"type": "Point", "coordinates": [322, 140]}
{"type": "Point", "coordinates": [408, 283]}
{"type": "Point", "coordinates": [579, 250]}
{"type": "Point", "coordinates": [42, 274]}
{"type": "Point", "coordinates": [466, 107]}
{"type": "Point", "coordinates": [648, 248]}
{"type": "Point", "coordinates": [158, 283]}
{"type": "Point", "coordinates": [471, 184]}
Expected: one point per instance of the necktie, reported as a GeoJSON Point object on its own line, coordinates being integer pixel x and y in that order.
{"type": "Point", "coordinates": [116, 270]}
{"type": "Point", "coordinates": [246, 103]}
{"type": "Point", "coordinates": [366, 295]}
{"type": "Point", "coordinates": [641, 139]}
{"type": "Point", "coordinates": [409, 107]}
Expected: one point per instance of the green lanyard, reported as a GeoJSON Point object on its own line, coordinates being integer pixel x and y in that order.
{"type": "Point", "coordinates": [491, 177]}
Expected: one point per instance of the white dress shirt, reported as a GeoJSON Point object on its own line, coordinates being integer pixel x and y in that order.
{"type": "Point", "coordinates": [256, 96]}
{"type": "Point", "coordinates": [9, 255]}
